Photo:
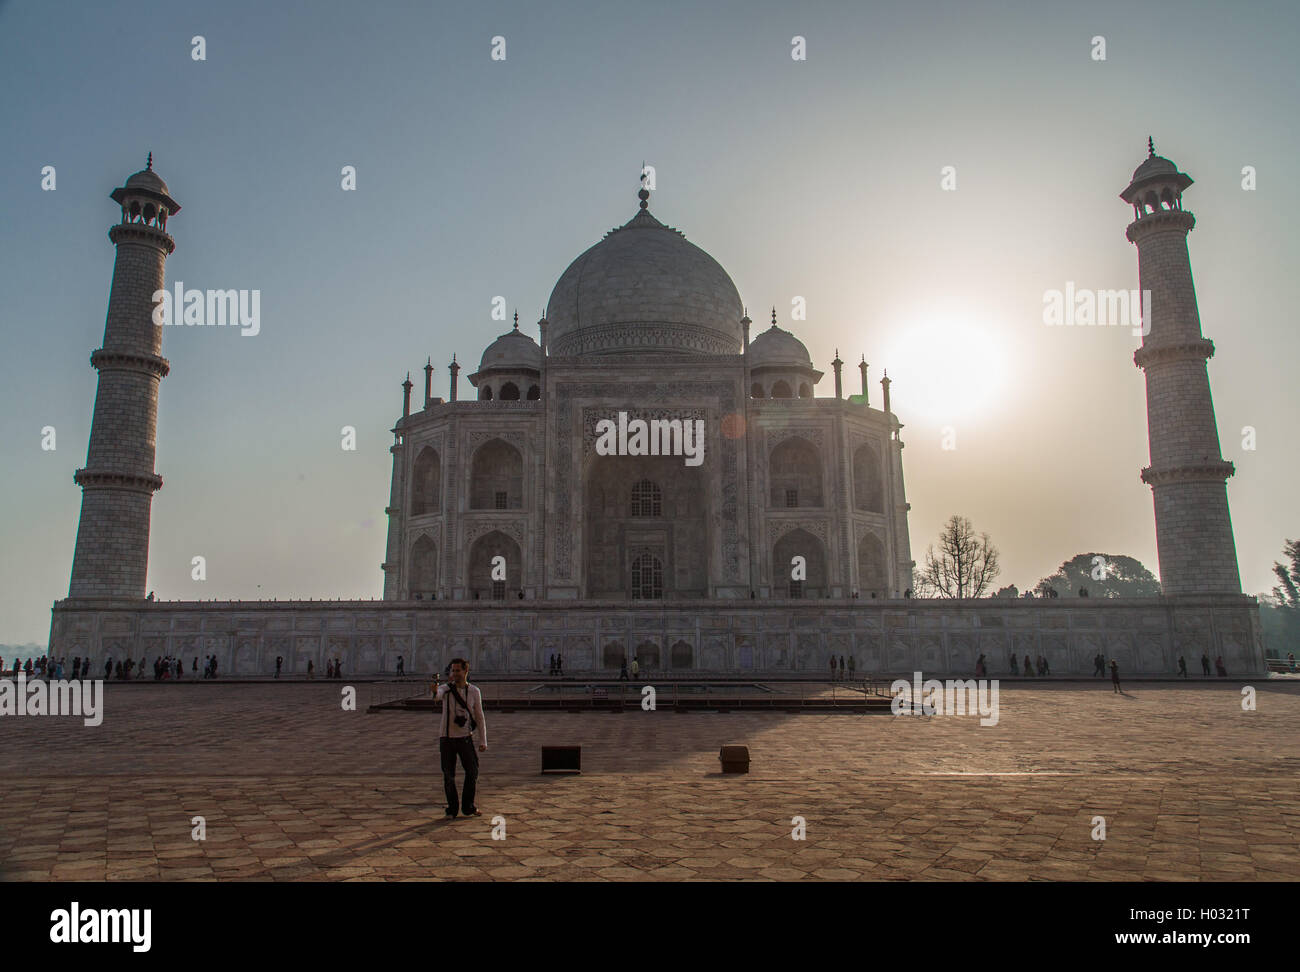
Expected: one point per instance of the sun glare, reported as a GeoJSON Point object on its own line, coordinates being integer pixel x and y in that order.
{"type": "Point", "coordinates": [945, 368]}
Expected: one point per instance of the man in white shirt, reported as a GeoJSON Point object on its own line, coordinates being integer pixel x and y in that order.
{"type": "Point", "coordinates": [462, 725]}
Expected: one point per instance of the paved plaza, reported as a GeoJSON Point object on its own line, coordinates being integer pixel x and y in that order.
{"type": "Point", "coordinates": [294, 788]}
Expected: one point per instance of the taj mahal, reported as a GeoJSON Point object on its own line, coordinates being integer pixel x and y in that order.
{"type": "Point", "coordinates": [654, 476]}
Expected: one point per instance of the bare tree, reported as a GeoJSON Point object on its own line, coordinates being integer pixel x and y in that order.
{"type": "Point", "coordinates": [965, 565]}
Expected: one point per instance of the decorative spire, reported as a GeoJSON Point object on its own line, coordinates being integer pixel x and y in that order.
{"type": "Point", "coordinates": [516, 320]}
{"type": "Point", "coordinates": [149, 165]}
{"type": "Point", "coordinates": [1151, 147]}
{"type": "Point", "coordinates": [643, 193]}
{"type": "Point", "coordinates": [774, 317]}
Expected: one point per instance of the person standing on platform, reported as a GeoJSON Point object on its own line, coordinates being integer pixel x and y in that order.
{"type": "Point", "coordinates": [462, 726]}
{"type": "Point", "coordinates": [1114, 676]}
{"type": "Point", "coordinates": [1182, 666]}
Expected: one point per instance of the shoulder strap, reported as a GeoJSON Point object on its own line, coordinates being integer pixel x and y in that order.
{"type": "Point", "coordinates": [473, 724]}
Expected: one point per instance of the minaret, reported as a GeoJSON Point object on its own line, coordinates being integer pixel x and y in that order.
{"type": "Point", "coordinates": [455, 370]}
{"type": "Point", "coordinates": [118, 480]}
{"type": "Point", "coordinates": [837, 364]}
{"type": "Point", "coordinates": [428, 382]}
{"type": "Point", "coordinates": [1187, 471]}
{"type": "Point", "coordinates": [862, 369]}
{"type": "Point", "coordinates": [406, 396]}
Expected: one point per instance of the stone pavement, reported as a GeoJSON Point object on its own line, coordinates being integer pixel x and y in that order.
{"type": "Point", "coordinates": [294, 788]}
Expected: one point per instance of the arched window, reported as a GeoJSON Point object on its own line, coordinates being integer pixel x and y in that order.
{"type": "Point", "coordinates": [426, 483]}
{"type": "Point", "coordinates": [868, 493]}
{"type": "Point", "coordinates": [647, 655]}
{"type": "Point", "coordinates": [510, 392]}
{"type": "Point", "coordinates": [795, 474]}
{"type": "Point", "coordinates": [871, 567]}
{"type": "Point", "coordinates": [756, 391]}
{"type": "Point", "coordinates": [614, 655]}
{"type": "Point", "coordinates": [496, 477]}
{"type": "Point", "coordinates": [782, 390]}
{"type": "Point", "coordinates": [485, 393]}
{"type": "Point", "coordinates": [682, 655]}
{"type": "Point", "coordinates": [481, 566]}
{"type": "Point", "coordinates": [647, 578]}
{"type": "Point", "coordinates": [534, 393]}
{"type": "Point", "coordinates": [647, 499]}
{"type": "Point", "coordinates": [423, 580]}
{"type": "Point", "coordinates": [805, 390]}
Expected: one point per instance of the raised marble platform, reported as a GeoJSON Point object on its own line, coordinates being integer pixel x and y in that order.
{"type": "Point", "coordinates": [1145, 635]}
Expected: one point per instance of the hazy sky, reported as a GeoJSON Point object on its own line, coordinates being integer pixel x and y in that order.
{"type": "Point", "coordinates": [479, 178]}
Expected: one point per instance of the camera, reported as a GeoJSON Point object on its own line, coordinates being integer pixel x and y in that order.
{"type": "Point", "coordinates": [459, 720]}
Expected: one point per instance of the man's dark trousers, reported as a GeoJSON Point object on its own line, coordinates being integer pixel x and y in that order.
{"type": "Point", "coordinates": [451, 747]}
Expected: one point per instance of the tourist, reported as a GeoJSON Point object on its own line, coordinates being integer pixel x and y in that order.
{"type": "Point", "coordinates": [117, 670]}
{"type": "Point", "coordinates": [1099, 665]}
{"type": "Point", "coordinates": [1114, 675]}
{"type": "Point", "coordinates": [180, 668]}
{"type": "Point", "coordinates": [195, 666]}
{"type": "Point", "coordinates": [338, 668]}
{"type": "Point", "coordinates": [108, 668]}
{"type": "Point", "coordinates": [28, 668]}
{"type": "Point", "coordinates": [15, 664]}
{"type": "Point", "coordinates": [401, 666]}
{"type": "Point", "coordinates": [636, 666]}
{"type": "Point", "coordinates": [1290, 657]}
{"type": "Point", "coordinates": [1182, 666]}
{"type": "Point", "coordinates": [559, 664]}
{"type": "Point", "coordinates": [76, 666]}
{"type": "Point", "coordinates": [832, 668]}
{"type": "Point", "coordinates": [843, 668]}
{"type": "Point", "coordinates": [1014, 670]}
{"type": "Point", "coordinates": [853, 668]}
{"type": "Point", "coordinates": [214, 666]}
{"type": "Point", "coordinates": [279, 663]}
{"type": "Point", "coordinates": [552, 668]}
{"type": "Point", "coordinates": [1205, 664]}
{"type": "Point", "coordinates": [622, 670]}
{"type": "Point", "coordinates": [980, 671]}
{"type": "Point", "coordinates": [1029, 669]}
{"type": "Point", "coordinates": [462, 725]}
{"type": "Point", "coordinates": [1218, 667]}
{"type": "Point", "coordinates": [311, 669]}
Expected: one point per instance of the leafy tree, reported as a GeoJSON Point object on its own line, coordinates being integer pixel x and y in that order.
{"type": "Point", "coordinates": [965, 564]}
{"type": "Point", "coordinates": [1009, 591]}
{"type": "Point", "coordinates": [1279, 614]}
{"type": "Point", "coordinates": [1288, 590]}
{"type": "Point", "coordinates": [1103, 575]}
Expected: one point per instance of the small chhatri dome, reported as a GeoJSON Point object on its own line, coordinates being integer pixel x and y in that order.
{"type": "Point", "coordinates": [644, 289]}
{"type": "Point", "coordinates": [778, 347]}
{"type": "Point", "coordinates": [147, 183]}
{"type": "Point", "coordinates": [512, 351]}
{"type": "Point", "coordinates": [1154, 168]}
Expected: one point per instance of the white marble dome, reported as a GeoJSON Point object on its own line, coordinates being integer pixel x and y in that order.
{"type": "Point", "coordinates": [512, 351]}
{"type": "Point", "coordinates": [777, 348]}
{"type": "Point", "coordinates": [644, 289]}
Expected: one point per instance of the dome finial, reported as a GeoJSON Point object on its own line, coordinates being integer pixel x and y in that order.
{"type": "Point", "coordinates": [1151, 147]}
{"type": "Point", "coordinates": [643, 193]}
{"type": "Point", "coordinates": [774, 317]}
{"type": "Point", "coordinates": [149, 165]}
{"type": "Point", "coordinates": [516, 320]}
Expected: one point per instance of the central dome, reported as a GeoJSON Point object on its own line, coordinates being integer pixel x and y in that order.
{"type": "Point", "coordinates": [644, 289]}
